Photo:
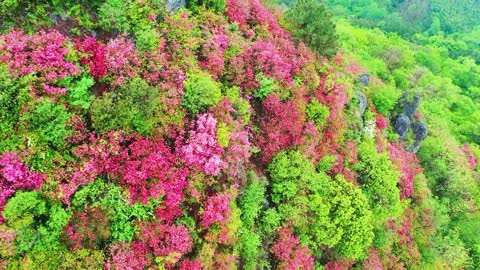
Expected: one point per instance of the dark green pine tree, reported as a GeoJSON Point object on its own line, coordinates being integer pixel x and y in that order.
{"type": "Point", "coordinates": [312, 23]}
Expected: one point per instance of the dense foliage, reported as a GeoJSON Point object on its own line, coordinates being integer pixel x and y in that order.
{"type": "Point", "coordinates": [239, 134]}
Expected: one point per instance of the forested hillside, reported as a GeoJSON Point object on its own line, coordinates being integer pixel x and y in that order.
{"type": "Point", "coordinates": [239, 134]}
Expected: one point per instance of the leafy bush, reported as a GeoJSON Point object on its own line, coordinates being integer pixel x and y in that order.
{"type": "Point", "coordinates": [312, 202]}
{"type": "Point", "coordinates": [79, 91]}
{"type": "Point", "coordinates": [267, 86]}
{"type": "Point", "coordinates": [48, 120]}
{"type": "Point", "coordinates": [13, 96]}
{"type": "Point", "coordinates": [201, 92]}
{"type": "Point", "coordinates": [131, 106]}
{"type": "Point", "coordinates": [385, 99]}
{"type": "Point", "coordinates": [217, 5]}
{"type": "Point", "coordinates": [318, 113]}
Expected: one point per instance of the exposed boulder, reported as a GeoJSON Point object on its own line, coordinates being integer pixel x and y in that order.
{"type": "Point", "coordinates": [414, 147]}
{"type": "Point", "coordinates": [174, 5]}
{"type": "Point", "coordinates": [362, 103]}
{"type": "Point", "coordinates": [401, 125]}
{"type": "Point", "coordinates": [364, 79]}
{"type": "Point", "coordinates": [420, 130]}
{"type": "Point", "coordinates": [410, 104]}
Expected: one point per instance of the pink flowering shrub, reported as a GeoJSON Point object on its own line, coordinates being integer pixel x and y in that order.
{"type": "Point", "coordinates": [213, 51]}
{"type": "Point", "coordinates": [53, 91]}
{"type": "Point", "coordinates": [409, 166]}
{"type": "Point", "coordinates": [238, 152]}
{"type": "Point", "coordinates": [261, 56]}
{"type": "Point", "coordinates": [217, 209]}
{"type": "Point", "coordinates": [127, 256]}
{"type": "Point", "coordinates": [281, 126]}
{"type": "Point", "coordinates": [407, 247]}
{"type": "Point", "coordinates": [42, 54]}
{"type": "Point", "coordinates": [7, 245]}
{"type": "Point", "coordinates": [471, 159]}
{"type": "Point", "coordinates": [121, 60]}
{"type": "Point", "coordinates": [147, 168]}
{"type": "Point", "coordinates": [149, 171]}
{"type": "Point", "coordinates": [14, 176]}
{"type": "Point", "coordinates": [98, 157]}
{"type": "Point", "coordinates": [290, 253]}
{"type": "Point", "coordinates": [381, 122]}
{"type": "Point", "coordinates": [201, 149]}
{"type": "Point", "coordinates": [95, 56]}
{"type": "Point", "coordinates": [190, 265]}
{"type": "Point", "coordinates": [118, 58]}
{"type": "Point", "coordinates": [373, 262]}
{"type": "Point", "coordinates": [341, 264]}
{"type": "Point", "coordinates": [165, 240]}
{"type": "Point", "coordinates": [250, 13]}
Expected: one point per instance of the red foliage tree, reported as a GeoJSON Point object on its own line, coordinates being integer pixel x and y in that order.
{"type": "Point", "coordinates": [165, 240]}
{"type": "Point", "coordinates": [88, 228]}
{"type": "Point", "coordinates": [149, 170]}
{"type": "Point", "coordinates": [95, 56]}
{"type": "Point", "coordinates": [117, 58]}
{"type": "Point", "coordinates": [146, 167]}
{"type": "Point", "coordinates": [42, 54]}
{"type": "Point", "coordinates": [290, 253]}
{"type": "Point", "coordinates": [281, 126]}
{"type": "Point", "coordinates": [217, 209]}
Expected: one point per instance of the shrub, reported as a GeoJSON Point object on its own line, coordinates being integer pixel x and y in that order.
{"type": "Point", "coordinates": [291, 254]}
{"type": "Point", "coordinates": [13, 96]}
{"type": "Point", "coordinates": [79, 93]}
{"type": "Point", "coordinates": [201, 92]}
{"type": "Point", "coordinates": [26, 54]}
{"type": "Point", "coordinates": [38, 222]}
{"type": "Point", "coordinates": [201, 149]}
{"type": "Point", "coordinates": [131, 106]}
{"type": "Point", "coordinates": [217, 5]}
{"type": "Point", "coordinates": [266, 86]}
{"type": "Point", "coordinates": [312, 203]}
{"type": "Point", "coordinates": [217, 209]}
{"type": "Point", "coordinates": [385, 99]}
{"type": "Point", "coordinates": [318, 113]}
{"type": "Point", "coordinates": [48, 120]}
{"type": "Point", "coordinates": [14, 176]}
{"type": "Point", "coordinates": [88, 228]}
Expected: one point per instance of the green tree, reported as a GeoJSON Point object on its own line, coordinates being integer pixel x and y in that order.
{"type": "Point", "coordinates": [323, 211]}
{"type": "Point", "coordinates": [312, 23]}
{"type": "Point", "coordinates": [379, 178]}
{"type": "Point", "coordinates": [48, 120]}
{"type": "Point", "coordinates": [132, 106]}
{"type": "Point", "coordinates": [37, 221]}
